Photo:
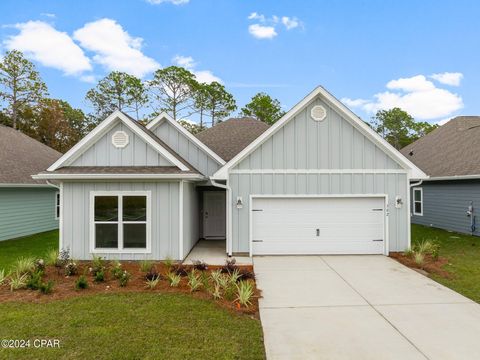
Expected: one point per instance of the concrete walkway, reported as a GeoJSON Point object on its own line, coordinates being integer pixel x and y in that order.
{"type": "Point", "coordinates": [361, 307]}
{"type": "Point", "coordinates": [213, 252]}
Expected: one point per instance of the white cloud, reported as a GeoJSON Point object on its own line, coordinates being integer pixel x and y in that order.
{"type": "Point", "coordinates": [202, 76]}
{"type": "Point", "coordinates": [256, 16]}
{"type": "Point", "coordinates": [448, 78]}
{"type": "Point", "coordinates": [262, 32]}
{"type": "Point", "coordinates": [49, 15]}
{"type": "Point", "coordinates": [115, 48]}
{"type": "Point", "coordinates": [174, 2]}
{"type": "Point", "coordinates": [416, 95]}
{"type": "Point", "coordinates": [290, 23]}
{"type": "Point", "coordinates": [88, 79]}
{"type": "Point", "coordinates": [41, 42]}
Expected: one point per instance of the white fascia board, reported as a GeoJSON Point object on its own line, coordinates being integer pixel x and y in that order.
{"type": "Point", "coordinates": [453, 177]}
{"type": "Point", "coordinates": [414, 171]}
{"type": "Point", "coordinates": [165, 117]}
{"type": "Point", "coordinates": [100, 130]}
{"type": "Point", "coordinates": [8, 185]}
{"type": "Point", "coordinates": [57, 176]}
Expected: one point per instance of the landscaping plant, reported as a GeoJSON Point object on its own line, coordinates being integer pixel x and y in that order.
{"type": "Point", "coordinates": [244, 293]}
{"type": "Point", "coordinates": [180, 270]}
{"type": "Point", "coordinates": [174, 279]}
{"type": "Point", "coordinates": [2, 276]}
{"type": "Point", "coordinates": [24, 265]}
{"type": "Point", "coordinates": [246, 275]}
{"type": "Point", "coordinates": [230, 266]}
{"type": "Point", "coordinates": [168, 263]}
{"type": "Point", "coordinates": [152, 283]}
{"type": "Point", "coordinates": [18, 281]}
{"type": "Point", "coordinates": [99, 276]}
{"type": "Point", "coordinates": [216, 291]}
{"type": "Point", "coordinates": [116, 269]}
{"type": "Point", "coordinates": [98, 269]}
{"type": "Point", "coordinates": [124, 278]}
{"type": "Point", "coordinates": [71, 269]}
{"type": "Point", "coordinates": [199, 265]}
{"type": "Point", "coordinates": [152, 273]}
{"type": "Point", "coordinates": [81, 283]}
{"type": "Point", "coordinates": [51, 257]}
{"type": "Point", "coordinates": [63, 258]}
{"type": "Point", "coordinates": [146, 265]}
{"type": "Point", "coordinates": [46, 287]}
{"type": "Point", "coordinates": [194, 281]}
{"type": "Point", "coordinates": [419, 258]}
{"type": "Point", "coordinates": [34, 280]}
{"type": "Point", "coordinates": [39, 265]}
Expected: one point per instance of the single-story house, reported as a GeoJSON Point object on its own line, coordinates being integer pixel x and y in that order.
{"type": "Point", "coordinates": [27, 206]}
{"type": "Point", "coordinates": [318, 181]}
{"type": "Point", "coordinates": [450, 198]}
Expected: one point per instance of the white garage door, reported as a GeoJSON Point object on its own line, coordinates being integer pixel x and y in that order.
{"type": "Point", "coordinates": [318, 225]}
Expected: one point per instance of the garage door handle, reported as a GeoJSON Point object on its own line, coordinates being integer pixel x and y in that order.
{"type": "Point", "coordinates": [257, 240]}
{"type": "Point", "coordinates": [377, 209]}
{"type": "Point", "coordinates": [378, 240]}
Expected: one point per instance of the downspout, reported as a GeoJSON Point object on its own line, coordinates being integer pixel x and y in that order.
{"type": "Point", "coordinates": [49, 183]}
{"type": "Point", "coordinates": [228, 212]}
{"type": "Point", "coordinates": [417, 183]}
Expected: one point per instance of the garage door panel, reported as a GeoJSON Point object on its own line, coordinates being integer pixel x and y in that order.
{"type": "Point", "coordinates": [318, 226]}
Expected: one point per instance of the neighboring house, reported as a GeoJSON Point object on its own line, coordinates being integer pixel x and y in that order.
{"type": "Point", "coordinates": [450, 198]}
{"type": "Point", "coordinates": [27, 206]}
{"type": "Point", "coordinates": [319, 181]}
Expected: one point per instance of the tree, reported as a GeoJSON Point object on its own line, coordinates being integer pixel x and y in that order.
{"type": "Point", "coordinates": [200, 101]}
{"type": "Point", "coordinates": [219, 102]}
{"type": "Point", "coordinates": [173, 89]}
{"type": "Point", "coordinates": [191, 126]}
{"type": "Point", "coordinates": [117, 91]}
{"type": "Point", "coordinates": [263, 108]}
{"type": "Point", "coordinates": [398, 127]}
{"type": "Point", "coordinates": [20, 85]}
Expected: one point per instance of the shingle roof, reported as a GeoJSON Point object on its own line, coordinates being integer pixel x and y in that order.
{"type": "Point", "coordinates": [119, 170]}
{"type": "Point", "coordinates": [231, 136]}
{"type": "Point", "coordinates": [21, 156]}
{"type": "Point", "coordinates": [452, 149]}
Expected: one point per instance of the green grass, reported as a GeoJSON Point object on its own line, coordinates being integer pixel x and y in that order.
{"type": "Point", "coordinates": [131, 326]}
{"type": "Point", "coordinates": [29, 246]}
{"type": "Point", "coordinates": [463, 255]}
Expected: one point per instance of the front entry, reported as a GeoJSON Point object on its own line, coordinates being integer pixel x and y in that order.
{"type": "Point", "coordinates": [214, 223]}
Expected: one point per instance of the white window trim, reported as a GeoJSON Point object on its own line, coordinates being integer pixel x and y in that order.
{"type": "Point", "coordinates": [120, 249]}
{"type": "Point", "coordinates": [420, 201]}
{"type": "Point", "coordinates": [58, 202]}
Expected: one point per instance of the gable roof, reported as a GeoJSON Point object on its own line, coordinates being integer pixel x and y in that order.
{"type": "Point", "coordinates": [450, 150]}
{"type": "Point", "coordinates": [231, 136]}
{"type": "Point", "coordinates": [21, 157]}
{"type": "Point", "coordinates": [152, 125]}
{"type": "Point", "coordinates": [134, 126]}
{"type": "Point", "coordinates": [369, 133]}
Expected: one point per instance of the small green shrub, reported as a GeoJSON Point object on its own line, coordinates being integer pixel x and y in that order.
{"type": "Point", "coordinates": [18, 281]}
{"type": "Point", "coordinates": [234, 276]}
{"type": "Point", "coordinates": [51, 257]}
{"type": "Point", "coordinates": [34, 280]}
{"type": "Point", "coordinates": [81, 283]}
{"type": "Point", "coordinates": [216, 291]}
{"type": "Point", "coordinates": [215, 275]}
{"type": "Point", "coordinates": [205, 280]}
{"type": "Point", "coordinates": [180, 270]}
{"type": "Point", "coordinates": [244, 293]}
{"type": "Point", "coordinates": [3, 276]}
{"type": "Point", "coordinates": [124, 278]}
{"type": "Point", "coordinates": [146, 265]}
{"type": "Point", "coordinates": [116, 269]}
{"type": "Point", "coordinates": [24, 265]}
{"type": "Point", "coordinates": [173, 279]}
{"type": "Point", "coordinates": [419, 258]}
{"type": "Point", "coordinates": [98, 264]}
{"type": "Point", "coordinates": [152, 284]}
{"type": "Point", "coordinates": [228, 286]}
{"type": "Point", "coordinates": [71, 269]}
{"type": "Point", "coordinates": [194, 281]}
{"type": "Point", "coordinates": [99, 276]}
{"type": "Point", "coordinates": [39, 265]}
{"type": "Point", "coordinates": [46, 287]}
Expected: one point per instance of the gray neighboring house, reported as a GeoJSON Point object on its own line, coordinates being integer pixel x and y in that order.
{"type": "Point", "coordinates": [27, 206]}
{"type": "Point", "coordinates": [318, 181]}
{"type": "Point", "coordinates": [450, 155]}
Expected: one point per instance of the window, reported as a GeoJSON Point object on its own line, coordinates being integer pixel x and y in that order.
{"type": "Point", "coordinates": [120, 221]}
{"type": "Point", "coordinates": [418, 201]}
{"type": "Point", "coordinates": [57, 205]}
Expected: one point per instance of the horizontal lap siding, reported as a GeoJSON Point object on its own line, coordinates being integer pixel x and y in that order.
{"type": "Point", "coordinates": [445, 205]}
{"type": "Point", "coordinates": [305, 144]}
{"type": "Point", "coordinates": [186, 148]}
{"type": "Point", "coordinates": [26, 211]}
{"type": "Point", "coordinates": [164, 226]}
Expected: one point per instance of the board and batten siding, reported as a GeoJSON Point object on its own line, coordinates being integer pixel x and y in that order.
{"type": "Point", "coordinates": [306, 157]}
{"type": "Point", "coordinates": [186, 148]}
{"type": "Point", "coordinates": [191, 217]}
{"type": "Point", "coordinates": [445, 205]}
{"type": "Point", "coordinates": [136, 153]}
{"type": "Point", "coordinates": [165, 224]}
{"type": "Point", "coordinates": [26, 211]}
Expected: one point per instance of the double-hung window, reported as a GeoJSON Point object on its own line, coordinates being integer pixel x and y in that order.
{"type": "Point", "coordinates": [418, 201]}
{"type": "Point", "coordinates": [120, 221]}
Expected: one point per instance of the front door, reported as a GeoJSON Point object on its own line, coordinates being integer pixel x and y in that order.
{"type": "Point", "coordinates": [214, 215]}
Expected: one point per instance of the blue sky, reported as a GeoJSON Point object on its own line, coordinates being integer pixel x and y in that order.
{"type": "Point", "coordinates": [423, 56]}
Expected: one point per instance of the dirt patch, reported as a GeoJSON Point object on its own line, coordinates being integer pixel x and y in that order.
{"type": "Point", "coordinates": [431, 266]}
{"type": "Point", "coordinates": [65, 286]}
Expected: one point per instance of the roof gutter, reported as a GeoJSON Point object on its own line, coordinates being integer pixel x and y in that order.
{"type": "Point", "coordinates": [118, 177]}
{"type": "Point", "coordinates": [454, 177]}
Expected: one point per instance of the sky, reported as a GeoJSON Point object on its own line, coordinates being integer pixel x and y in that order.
{"type": "Point", "coordinates": [421, 56]}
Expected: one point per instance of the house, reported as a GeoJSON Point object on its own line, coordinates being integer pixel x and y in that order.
{"type": "Point", "coordinates": [319, 181]}
{"type": "Point", "coordinates": [450, 198]}
{"type": "Point", "coordinates": [27, 206]}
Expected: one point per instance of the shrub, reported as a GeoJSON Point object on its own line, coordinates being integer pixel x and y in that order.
{"type": "Point", "coordinates": [116, 269]}
{"type": "Point", "coordinates": [180, 270]}
{"type": "Point", "coordinates": [234, 276]}
{"type": "Point", "coordinates": [39, 265]}
{"type": "Point", "coordinates": [51, 257]}
{"type": "Point", "coordinates": [24, 265]}
{"type": "Point", "coordinates": [146, 265]}
{"type": "Point", "coordinates": [124, 278]}
{"type": "Point", "coordinates": [215, 275]}
{"type": "Point", "coordinates": [194, 280]}
{"type": "Point", "coordinates": [230, 266]}
{"type": "Point", "coordinates": [71, 269]}
{"type": "Point", "coordinates": [35, 280]}
{"type": "Point", "coordinates": [174, 279]}
{"type": "Point", "coordinates": [246, 275]}
{"type": "Point", "coordinates": [18, 281]}
{"type": "Point", "coordinates": [205, 280]}
{"type": "Point", "coordinates": [200, 265]}
{"type": "Point", "coordinates": [99, 276]}
{"type": "Point", "coordinates": [216, 291]}
{"type": "Point", "coordinates": [152, 283]}
{"type": "Point", "coordinates": [2, 276]}
{"type": "Point", "coordinates": [46, 288]}
{"type": "Point", "coordinates": [81, 283]}
{"type": "Point", "coordinates": [419, 258]}
{"type": "Point", "coordinates": [98, 264]}
{"type": "Point", "coordinates": [63, 257]}
{"type": "Point", "coordinates": [244, 293]}
{"type": "Point", "coordinates": [227, 286]}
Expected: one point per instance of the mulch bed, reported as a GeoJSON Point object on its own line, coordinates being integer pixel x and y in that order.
{"type": "Point", "coordinates": [65, 286]}
{"type": "Point", "coordinates": [430, 265]}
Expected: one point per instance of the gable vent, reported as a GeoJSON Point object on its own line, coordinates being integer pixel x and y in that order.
{"type": "Point", "coordinates": [318, 113]}
{"type": "Point", "coordinates": [120, 139]}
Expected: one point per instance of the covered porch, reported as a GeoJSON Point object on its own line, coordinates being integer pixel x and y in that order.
{"type": "Point", "coordinates": [213, 252]}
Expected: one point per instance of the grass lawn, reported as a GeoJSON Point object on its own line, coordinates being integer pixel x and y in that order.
{"type": "Point", "coordinates": [34, 245]}
{"type": "Point", "coordinates": [463, 254]}
{"type": "Point", "coordinates": [131, 326]}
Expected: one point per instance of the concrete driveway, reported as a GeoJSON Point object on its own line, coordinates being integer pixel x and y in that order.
{"type": "Point", "coordinates": [361, 307]}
